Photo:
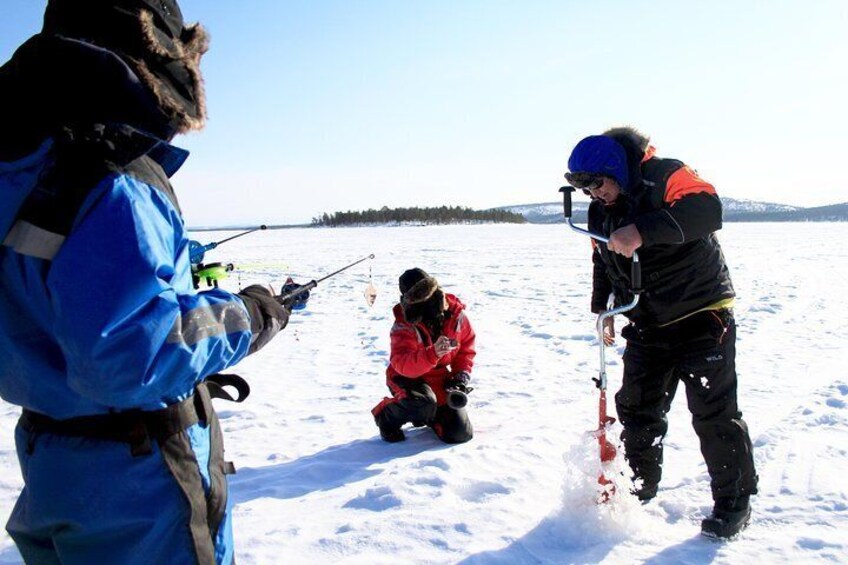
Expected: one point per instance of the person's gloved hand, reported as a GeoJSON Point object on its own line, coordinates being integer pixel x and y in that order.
{"type": "Point", "coordinates": [267, 316]}
{"type": "Point", "coordinates": [459, 381]}
{"type": "Point", "coordinates": [457, 389]}
{"type": "Point", "coordinates": [295, 302]}
{"type": "Point", "coordinates": [444, 345]}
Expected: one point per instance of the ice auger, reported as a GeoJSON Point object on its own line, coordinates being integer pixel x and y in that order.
{"type": "Point", "coordinates": [607, 449]}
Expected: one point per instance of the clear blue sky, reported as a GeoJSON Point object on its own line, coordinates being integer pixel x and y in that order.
{"type": "Point", "coordinates": [333, 105]}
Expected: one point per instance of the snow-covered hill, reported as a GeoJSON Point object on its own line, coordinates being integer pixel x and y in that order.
{"type": "Point", "coordinates": [732, 206]}
{"type": "Point", "coordinates": [548, 212]}
{"type": "Point", "coordinates": [734, 211]}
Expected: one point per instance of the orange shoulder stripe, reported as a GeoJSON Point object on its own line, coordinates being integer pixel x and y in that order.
{"type": "Point", "coordinates": [685, 181]}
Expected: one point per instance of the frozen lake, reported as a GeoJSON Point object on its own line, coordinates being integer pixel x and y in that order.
{"type": "Point", "coordinates": [316, 485]}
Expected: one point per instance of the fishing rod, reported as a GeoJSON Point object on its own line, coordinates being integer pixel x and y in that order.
{"type": "Point", "coordinates": [281, 298]}
{"type": "Point", "coordinates": [197, 250]}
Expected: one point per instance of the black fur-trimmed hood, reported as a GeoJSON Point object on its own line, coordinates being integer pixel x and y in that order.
{"type": "Point", "coordinates": [454, 307]}
{"type": "Point", "coordinates": [178, 85]}
{"type": "Point", "coordinates": [629, 135]}
{"type": "Point", "coordinates": [152, 37]}
{"type": "Point", "coordinates": [130, 62]}
{"type": "Point", "coordinates": [54, 82]}
{"type": "Point", "coordinates": [420, 291]}
{"type": "Point", "coordinates": [635, 144]}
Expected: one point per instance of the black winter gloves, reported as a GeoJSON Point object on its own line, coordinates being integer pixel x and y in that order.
{"type": "Point", "coordinates": [295, 302]}
{"type": "Point", "coordinates": [460, 379]}
{"type": "Point", "coordinates": [267, 316]}
{"type": "Point", "coordinates": [457, 389]}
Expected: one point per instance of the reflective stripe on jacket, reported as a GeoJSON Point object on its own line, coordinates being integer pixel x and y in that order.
{"type": "Point", "coordinates": [683, 267]}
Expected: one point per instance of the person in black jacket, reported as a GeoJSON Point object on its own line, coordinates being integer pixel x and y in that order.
{"type": "Point", "coordinates": [683, 328]}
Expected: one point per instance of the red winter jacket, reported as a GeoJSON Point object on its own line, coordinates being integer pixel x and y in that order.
{"type": "Point", "coordinates": [413, 355]}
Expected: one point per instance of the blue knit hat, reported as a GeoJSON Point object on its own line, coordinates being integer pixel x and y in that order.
{"type": "Point", "coordinates": [600, 155]}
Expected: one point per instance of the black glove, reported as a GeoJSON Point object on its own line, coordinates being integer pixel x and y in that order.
{"type": "Point", "coordinates": [459, 381]}
{"type": "Point", "coordinates": [267, 316]}
{"type": "Point", "coordinates": [297, 302]}
{"type": "Point", "coordinates": [457, 389]}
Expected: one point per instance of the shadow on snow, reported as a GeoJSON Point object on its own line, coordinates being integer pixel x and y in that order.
{"type": "Point", "coordinates": [554, 541]}
{"type": "Point", "coordinates": [331, 468]}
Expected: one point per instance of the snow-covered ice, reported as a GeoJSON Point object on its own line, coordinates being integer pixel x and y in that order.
{"type": "Point", "coordinates": [317, 485]}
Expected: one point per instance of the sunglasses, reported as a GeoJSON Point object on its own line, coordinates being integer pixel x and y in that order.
{"type": "Point", "coordinates": [585, 181]}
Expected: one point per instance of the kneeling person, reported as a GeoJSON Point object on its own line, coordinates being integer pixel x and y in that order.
{"type": "Point", "coordinates": [432, 344]}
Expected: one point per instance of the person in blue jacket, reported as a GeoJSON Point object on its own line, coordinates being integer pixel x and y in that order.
{"type": "Point", "coordinates": [104, 343]}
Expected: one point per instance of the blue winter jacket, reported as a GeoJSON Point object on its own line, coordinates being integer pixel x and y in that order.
{"type": "Point", "coordinates": [104, 317]}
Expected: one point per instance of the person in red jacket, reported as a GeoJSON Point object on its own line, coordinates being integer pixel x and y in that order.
{"type": "Point", "coordinates": [429, 370]}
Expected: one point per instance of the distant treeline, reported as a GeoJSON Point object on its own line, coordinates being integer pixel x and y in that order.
{"type": "Point", "coordinates": [440, 215]}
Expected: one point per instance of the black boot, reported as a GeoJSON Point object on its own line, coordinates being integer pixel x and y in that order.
{"type": "Point", "coordinates": [730, 516]}
{"type": "Point", "coordinates": [389, 427]}
{"type": "Point", "coordinates": [391, 435]}
{"type": "Point", "coordinates": [645, 493]}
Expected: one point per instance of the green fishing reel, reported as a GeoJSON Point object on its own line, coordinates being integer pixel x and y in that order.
{"type": "Point", "coordinates": [211, 273]}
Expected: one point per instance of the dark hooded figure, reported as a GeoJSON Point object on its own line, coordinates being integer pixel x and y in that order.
{"type": "Point", "coordinates": [683, 327]}
{"type": "Point", "coordinates": [106, 346]}
{"type": "Point", "coordinates": [429, 370]}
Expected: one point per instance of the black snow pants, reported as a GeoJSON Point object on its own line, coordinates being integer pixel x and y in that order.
{"type": "Point", "coordinates": [700, 351]}
{"type": "Point", "coordinates": [417, 404]}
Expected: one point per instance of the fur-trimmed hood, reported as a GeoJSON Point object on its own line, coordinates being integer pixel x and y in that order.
{"type": "Point", "coordinates": [629, 134]}
{"type": "Point", "coordinates": [635, 144]}
{"type": "Point", "coordinates": [455, 306]}
{"type": "Point", "coordinates": [130, 62]}
{"type": "Point", "coordinates": [54, 82]}
{"type": "Point", "coordinates": [177, 85]}
{"type": "Point", "coordinates": [421, 291]}
{"type": "Point", "coordinates": [152, 37]}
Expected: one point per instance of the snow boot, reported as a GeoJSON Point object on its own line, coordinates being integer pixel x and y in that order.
{"type": "Point", "coordinates": [730, 516]}
{"type": "Point", "coordinates": [645, 493]}
{"type": "Point", "coordinates": [391, 435]}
